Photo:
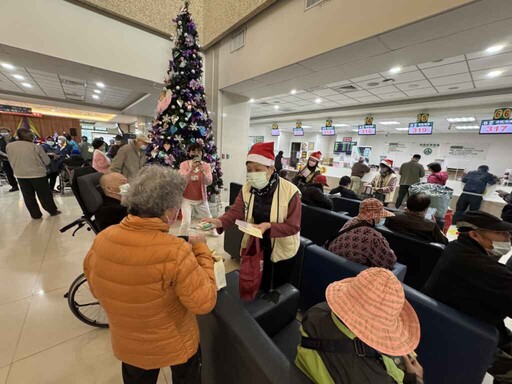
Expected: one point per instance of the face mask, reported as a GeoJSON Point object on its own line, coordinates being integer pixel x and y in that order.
{"type": "Point", "coordinates": [50, 143]}
{"type": "Point", "coordinates": [60, 142]}
{"type": "Point", "coordinates": [381, 222]}
{"type": "Point", "coordinates": [311, 164]}
{"type": "Point", "coordinates": [143, 147]}
{"type": "Point", "coordinates": [383, 171]}
{"type": "Point", "coordinates": [501, 248]}
{"type": "Point", "coordinates": [123, 189]}
{"type": "Point", "coordinates": [257, 180]}
{"type": "Point", "coordinates": [171, 221]}
{"type": "Point", "coordinates": [5, 134]}
{"type": "Point", "coordinates": [119, 142]}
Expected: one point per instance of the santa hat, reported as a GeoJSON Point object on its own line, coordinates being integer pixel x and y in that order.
{"type": "Point", "coordinates": [388, 163]}
{"type": "Point", "coordinates": [316, 155]}
{"type": "Point", "coordinates": [262, 153]}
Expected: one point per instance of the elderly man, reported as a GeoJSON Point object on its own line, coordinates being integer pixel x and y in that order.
{"type": "Point", "coordinates": [469, 278]}
{"type": "Point", "coordinates": [111, 212]}
{"type": "Point", "coordinates": [131, 157]}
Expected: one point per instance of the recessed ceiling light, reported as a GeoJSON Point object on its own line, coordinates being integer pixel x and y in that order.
{"type": "Point", "coordinates": [461, 119]}
{"type": "Point", "coordinates": [101, 85]}
{"type": "Point", "coordinates": [27, 85]}
{"type": "Point", "coordinates": [402, 129]}
{"type": "Point", "coordinates": [494, 48]}
{"type": "Point", "coordinates": [341, 125]}
{"type": "Point", "coordinates": [389, 122]}
{"type": "Point", "coordinates": [7, 66]}
{"type": "Point", "coordinates": [355, 130]}
{"type": "Point", "coordinates": [19, 77]}
{"type": "Point", "coordinates": [293, 91]}
{"type": "Point", "coordinates": [453, 88]}
{"type": "Point", "coordinates": [395, 70]}
{"type": "Point", "coordinates": [276, 107]}
{"type": "Point", "coordinates": [97, 91]}
{"type": "Point", "coordinates": [318, 101]}
{"type": "Point", "coordinates": [494, 73]}
{"type": "Point", "coordinates": [467, 127]}
{"type": "Point", "coordinates": [307, 126]}
{"type": "Point", "coordinates": [251, 100]}
{"type": "Point", "coordinates": [414, 85]}
{"type": "Point", "coordinates": [95, 97]}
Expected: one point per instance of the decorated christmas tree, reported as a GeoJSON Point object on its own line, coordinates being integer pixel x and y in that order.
{"type": "Point", "coordinates": [182, 116]}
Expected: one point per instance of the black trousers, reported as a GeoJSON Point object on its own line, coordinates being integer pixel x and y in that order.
{"type": "Point", "coordinates": [187, 373]}
{"type": "Point", "coordinates": [403, 191]}
{"type": "Point", "coordinates": [6, 166]}
{"type": "Point", "coordinates": [465, 201]}
{"type": "Point", "coordinates": [52, 180]}
{"type": "Point", "coordinates": [29, 189]}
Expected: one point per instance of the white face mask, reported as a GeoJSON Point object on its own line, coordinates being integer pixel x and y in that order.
{"type": "Point", "coordinates": [143, 147]}
{"type": "Point", "coordinates": [501, 248]}
{"type": "Point", "coordinates": [50, 143]}
{"type": "Point", "coordinates": [312, 164]}
{"type": "Point", "coordinates": [123, 189]}
{"type": "Point", "coordinates": [257, 180]}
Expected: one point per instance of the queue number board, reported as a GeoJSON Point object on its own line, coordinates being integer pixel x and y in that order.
{"type": "Point", "coordinates": [367, 130]}
{"type": "Point", "coordinates": [421, 128]}
{"type": "Point", "coordinates": [496, 127]}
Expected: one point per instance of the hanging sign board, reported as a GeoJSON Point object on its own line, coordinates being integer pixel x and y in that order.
{"type": "Point", "coordinates": [421, 128]}
{"type": "Point", "coordinates": [275, 130]}
{"type": "Point", "coordinates": [502, 114]}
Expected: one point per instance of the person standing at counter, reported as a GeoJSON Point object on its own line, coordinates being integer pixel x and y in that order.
{"type": "Point", "coordinates": [437, 176]}
{"type": "Point", "coordinates": [273, 205]}
{"type": "Point", "coordinates": [278, 163]}
{"type": "Point", "coordinates": [410, 173]}
{"type": "Point", "coordinates": [475, 183]}
{"type": "Point", "coordinates": [307, 174]}
{"type": "Point", "coordinates": [385, 182]}
{"type": "Point", "coordinates": [359, 169]}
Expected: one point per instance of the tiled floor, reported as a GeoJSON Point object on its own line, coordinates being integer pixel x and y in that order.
{"type": "Point", "coordinates": [40, 340]}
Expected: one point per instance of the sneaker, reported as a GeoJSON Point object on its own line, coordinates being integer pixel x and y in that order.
{"type": "Point", "coordinates": [56, 213]}
{"type": "Point", "coordinates": [14, 189]}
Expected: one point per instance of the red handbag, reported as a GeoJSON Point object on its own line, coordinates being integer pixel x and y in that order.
{"type": "Point", "coordinates": [251, 269]}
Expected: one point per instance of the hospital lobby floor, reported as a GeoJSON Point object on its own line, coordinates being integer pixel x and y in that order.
{"type": "Point", "coordinates": [41, 341]}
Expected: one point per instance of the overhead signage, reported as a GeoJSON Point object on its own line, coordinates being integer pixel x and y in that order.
{"type": "Point", "coordinates": [425, 128]}
{"type": "Point", "coordinates": [328, 131]}
{"type": "Point", "coordinates": [422, 117]}
{"type": "Point", "coordinates": [368, 120]}
{"type": "Point", "coordinates": [15, 109]}
{"type": "Point", "coordinates": [344, 146]}
{"type": "Point", "coordinates": [275, 130]}
{"type": "Point", "coordinates": [298, 132]}
{"type": "Point", "coordinates": [298, 124]}
{"type": "Point", "coordinates": [364, 130]}
{"type": "Point", "coordinates": [328, 123]}
{"type": "Point", "coordinates": [496, 127]}
{"type": "Point", "coordinates": [502, 114]}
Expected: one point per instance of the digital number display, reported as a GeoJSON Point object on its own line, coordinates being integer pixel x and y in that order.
{"type": "Point", "coordinates": [421, 128]}
{"type": "Point", "coordinates": [496, 127]}
{"type": "Point", "coordinates": [367, 130]}
{"type": "Point", "coordinates": [276, 132]}
{"type": "Point", "coordinates": [328, 131]}
{"type": "Point", "coordinates": [298, 132]}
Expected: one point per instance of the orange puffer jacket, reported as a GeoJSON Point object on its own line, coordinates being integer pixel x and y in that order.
{"type": "Point", "coordinates": [151, 285]}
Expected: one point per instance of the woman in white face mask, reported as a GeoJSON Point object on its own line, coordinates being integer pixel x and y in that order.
{"type": "Point", "coordinates": [273, 205]}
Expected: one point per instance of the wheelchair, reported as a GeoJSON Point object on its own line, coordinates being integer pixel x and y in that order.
{"type": "Point", "coordinates": [70, 165]}
{"type": "Point", "coordinates": [85, 187]}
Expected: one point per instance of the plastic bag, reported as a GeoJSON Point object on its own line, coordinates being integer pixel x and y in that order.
{"type": "Point", "coordinates": [440, 196]}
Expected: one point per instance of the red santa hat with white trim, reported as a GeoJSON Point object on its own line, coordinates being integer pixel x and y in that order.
{"type": "Point", "coordinates": [317, 156]}
{"type": "Point", "coordinates": [262, 153]}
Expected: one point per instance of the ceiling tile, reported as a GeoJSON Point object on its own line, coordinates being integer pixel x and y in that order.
{"type": "Point", "coordinates": [414, 85]}
{"type": "Point", "coordinates": [403, 70]}
{"type": "Point", "coordinates": [330, 104]}
{"type": "Point", "coordinates": [455, 87]}
{"type": "Point", "coordinates": [365, 78]}
{"type": "Point", "coordinates": [359, 94]}
{"type": "Point", "coordinates": [449, 60]}
{"type": "Point", "coordinates": [494, 83]}
{"type": "Point", "coordinates": [290, 98]}
{"type": "Point", "coordinates": [408, 77]}
{"type": "Point", "coordinates": [283, 74]}
{"type": "Point", "coordinates": [454, 79]}
{"type": "Point", "coordinates": [421, 92]}
{"type": "Point", "coordinates": [307, 96]}
{"type": "Point", "coordinates": [337, 97]}
{"type": "Point", "coordinates": [338, 83]}
{"type": "Point", "coordinates": [303, 102]}
{"type": "Point", "coordinates": [386, 89]}
{"type": "Point", "coordinates": [394, 95]}
{"type": "Point", "coordinates": [369, 99]}
{"type": "Point", "coordinates": [477, 55]}
{"type": "Point", "coordinates": [483, 75]}
{"type": "Point", "coordinates": [325, 92]}
{"type": "Point", "coordinates": [491, 62]}
{"type": "Point", "coordinates": [446, 70]}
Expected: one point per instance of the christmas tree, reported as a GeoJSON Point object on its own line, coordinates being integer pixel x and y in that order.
{"type": "Point", "coordinates": [182, 116]}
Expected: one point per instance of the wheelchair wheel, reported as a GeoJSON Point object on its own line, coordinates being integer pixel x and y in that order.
{"type": "Point", "coordinates": [83, 304]}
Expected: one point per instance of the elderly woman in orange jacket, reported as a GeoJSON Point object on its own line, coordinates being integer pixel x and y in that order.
{"type": "Point", "coordinates": [152, 284]}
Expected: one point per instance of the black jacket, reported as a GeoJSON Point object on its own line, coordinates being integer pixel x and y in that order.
{"type": "Point", "coordinates": [476, 181]}
{"type": "Point", "coordinates": [313, 195]}
{"type": "Point", "coordinates": [506, 213]}
{"type": "Point", "coordinates": [344, 192]}
{"type": "Point", "coordinates": [468, 279]}
{"type": "Point", "coordinates": [109, 213]}
{"type": "Point", "coordinates": [278, 163]}
{"type": "Point", "coordinates": [416, 226]}
{"type": "Point", "coordinates": [3, 146]}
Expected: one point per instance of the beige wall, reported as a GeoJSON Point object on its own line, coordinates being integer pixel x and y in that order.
{"type": "Point", "coordinates": [285, 34]}
{"type": "Point", "coordinates": [213, 17]}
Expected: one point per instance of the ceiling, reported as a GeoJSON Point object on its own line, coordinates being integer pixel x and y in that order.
{"type": "Point", "coordinates": [453, 75]}
{"type": "Point", "coordinates": [39, 79]}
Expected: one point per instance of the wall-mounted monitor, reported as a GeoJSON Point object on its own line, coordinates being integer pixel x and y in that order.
{"type": "Point", "coordinates": [276, 132]}
{"type": "Point", "coordinates": [298, 132]}
{"type": "Point", "coordinates": [328, 131]}
{"type": "Point", "coordinates": [421, 128]}
{"type": "Point", "coordinates": [364, 130]}
{"type": "Point", "coordinates": [496, 127]}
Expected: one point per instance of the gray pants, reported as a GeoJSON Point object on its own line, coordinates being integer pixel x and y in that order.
{"type": "Point", "coordinates": [501, 364]}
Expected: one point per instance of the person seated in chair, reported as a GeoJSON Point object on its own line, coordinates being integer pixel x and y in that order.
{"type": "Point", "coordinates": [313, 194]}
{"type": "Point", "coordinates": [365, 333]}
{"type": "Point", "coordinates": [413, 221]}
{"type": "Point", "coordinates": [359, 242]}
{"type": "Point", "coordinates": [111, 211]}
{"type": "Point", "coordinates": [344, 190]}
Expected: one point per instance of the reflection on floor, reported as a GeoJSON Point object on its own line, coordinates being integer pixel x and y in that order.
{"type": "Point", "coordinates": [40, 340]}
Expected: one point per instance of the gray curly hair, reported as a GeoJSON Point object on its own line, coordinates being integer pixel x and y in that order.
{"type": "Point", "coordinates": [154, 190]}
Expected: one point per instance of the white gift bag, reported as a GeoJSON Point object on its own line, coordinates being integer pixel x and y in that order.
{"type": "Point", "coordinates": [220, 271]}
